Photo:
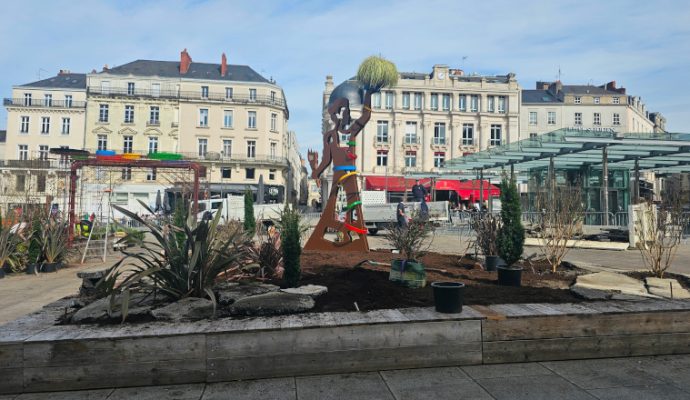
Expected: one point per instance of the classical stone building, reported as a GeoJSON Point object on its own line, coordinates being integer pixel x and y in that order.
{"type": "Point", "coordinates": [553, 106]}
{"type": "Point", "coordinates": [432, 117]}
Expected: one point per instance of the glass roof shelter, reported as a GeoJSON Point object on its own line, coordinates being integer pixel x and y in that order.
{"type": "Point", "coordinates": [601, 162]}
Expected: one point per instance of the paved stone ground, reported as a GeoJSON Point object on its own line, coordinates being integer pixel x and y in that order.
{"type": "Point", "coordinates": [649, 378]}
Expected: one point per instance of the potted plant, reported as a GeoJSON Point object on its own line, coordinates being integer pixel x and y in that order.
{"type": "Point", "coordinates": [8, 249]}
{"type": "Point", "coordinates": [413, 242]}
{"type": "Point", "coordinates": [35, 249]}
{"type": "Point", "coordinates": [54, 246]}
{"type": "Point", "coordinates": [486, 227]}
{"type": "Point", "coordinates": [511, 234]}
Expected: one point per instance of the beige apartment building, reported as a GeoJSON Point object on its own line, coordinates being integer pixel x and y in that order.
{"type": "Point", "coordinates": [45, 114]}
{"type": "Point", "coordinates": [553, 106]}
{"type": "Point", "coordinates": [429, 118]}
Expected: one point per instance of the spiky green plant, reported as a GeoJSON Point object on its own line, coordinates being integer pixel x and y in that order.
{"type": "Point", "coordinates": [249, 220]}
{"type": "Point", "coordinates": [55, 245]}
{"type": "Point", "coordinates": [9, 254]}
{"type": "Point", "coordinates": [376, 72]}
{"type": "Point", "coordinates": [291, 231]}
{"type": "Point", "coordinates": [511, 235]}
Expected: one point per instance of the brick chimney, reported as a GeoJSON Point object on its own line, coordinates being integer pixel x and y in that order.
{"type": "Point", "coordinates": [223, 65]}
{"type": "Point", "coordinates": [185, 61]}
{"type": "Point", "coordinates": [105, 67]}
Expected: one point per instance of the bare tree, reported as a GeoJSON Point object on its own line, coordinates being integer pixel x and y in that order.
{"type": "Point", "coordinates": [559, 223]}
{"type": "Point", "coordinates": [660, 231]}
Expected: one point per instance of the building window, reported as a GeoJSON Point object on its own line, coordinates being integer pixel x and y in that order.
{"type": "Point", "coordinates": [226, 173]}
{"type": "Point", "coordinates": [249, 173]}
{"type": "Point", "coordinates": [502, 104]}
{"type": "Point", "coordinates": [127, 144]}
{"type": "Point", "coordinates": [434, 102]}
{"type": "Point", "coordinates": [439, 159]}
{"type": "Point", "coordinates": [272, 174]}
{"type": "Point", "coordinates": [65, 126]}
{"type": "Point", "coordinates": [23, 151]}
{"type": "Point", "coordinates": [154, 117]}
{"type": "Point", "coordinates": [102, 142]}
{"type": "Point", "coordinates": [251, 148]}
{"type": "Point", "coordinates": [381, 131]}
{"type": "Point", "coordinates": [376, 100]}
{"type": "Point", "coordinates": [474, 103]}
{"type": "Point", "coordinates": [126, 176]}
{"type": "Point", "coordinates": [252, 94]}
{"type": "Point", "coordinates": [153, 144]}
{"type": "Point", "coordinates": [411, 132]}
{"type": "Point", "coordinates": [616, 100]}
{"type": "Point", "coordinates": [406, 100]}
{"type": "Point", "coordinates": [21, 183]}
{"type": "Point", "coordinates": [440, 133]}
{"type": "Point", "coordinates": [418, 101]}
{"type": "Point", "coordinates": [495, 139]}
{"type": "Point", "coordinates": [578, 100]}
{"type": "Point", "coordinates": [228, 93]}
{"type": "Point", "coordinates": [616, 119]}
{"type": "Point", "coordinates": [24, 126]}
{"type": "Point", "coordinates": [227, 148]}
{"type": "Point", "coordinates": [68, 100]}
{"type": "Point", "coordinates": [48, 100]}
{"type": "Point", "coordinates": [532, 117]}
{"type": "Point", "coordinates": [551, 118]}
{"type": "Point", "coordinates": [274, 122]}
{"type": "Point", "coordinates": [273, 96]}
{"type": "Point", "coordinates": [45, 125]}
{"type": "Point", "coordinates": [155, 89]}
{"type": "Point", "coordinates": [41, 183]}
{"type": "Point", "coordinates": [462, 105]}
{"type": "Point", "coordinates": [382, 158]}
{"type": "Point", "coordinates": [389, 100]}
{"type": "Point", "coordinates": [103, 113]}
{"type": "Point", "coordinates": [491, 103]}
{"type": "Point", "coordinates": [597, 119]}
{"type": "Point", "coordinates": [251, 119]}
{"type": "Point", "coordinates": [130, 88]}
{"type": "Point", "coordinates": [467, 134]}
{"type": "Point", "coordinates": [129, 114]}
{"type": "Point", "coordinates": [445, 102]}
{"type": "Point", "coordinates": [27, 99]}
{"type": "Point", "coordinates": [203, 117]}
{"type": "Point", "coordinates": [273, 150]}
{"type": "Point", "coordinates": [578, 118]}
{"type": "Point", "coordinates": [410, 159]}
{"type": "Point", "coordinates": [204, 92]}
{"type": "Point", "coordinates": [597, 100]}
{"type": "Point", "coordinates": [42, 151]}
{"type": "Point", "coordinates": [227, 118]}
{"type": "Point", "coordinates": [202, 147]}
{"type": "Point", "coordinates": [533, 135]}
{"type": "Point", "coordinates": [151, 175]}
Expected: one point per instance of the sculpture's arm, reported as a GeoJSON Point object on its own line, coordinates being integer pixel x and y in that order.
{"type": "Point", "coordinates": [358, 124]}
{"type": "Point", "coordinates": [328, 139]}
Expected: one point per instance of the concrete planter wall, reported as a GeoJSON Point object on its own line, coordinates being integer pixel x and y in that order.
{"type": "Point", "coordinates": [37, 356]}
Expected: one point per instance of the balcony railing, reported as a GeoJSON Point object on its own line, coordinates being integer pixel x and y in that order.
{"type": "Point", "coordinates": [382, 140]}
{"type": "Point", "coordinates": [439, 141]}
{"type": "Point", "coordinates": [43, 103]}
{"type": "Point", "coordinates": [412, 140]}
{"type": "Point", "coordinates": [35, 164]}
{"type": "Point", "coordinates": [190, 95]}
{"type": "Point", "coordinates": [234, 158]}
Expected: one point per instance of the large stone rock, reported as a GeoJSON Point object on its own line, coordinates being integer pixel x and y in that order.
{"type": "Point", "coordinates": [662, 287]}
{"type": "Point", "coordinates": [273, 303]}
{"type": "Point", "coordinates": [591, 294]}
{"type": "Point", "coordinates": [140, 305]}
{"type": "Point", "coordinates": [232, 294]}
{"type": "Point", "coordinates": [617, 283]}
{"type": "Point", "coordinates": [187, 309]}
{"type": "Point", "coordinates": [310, 290]}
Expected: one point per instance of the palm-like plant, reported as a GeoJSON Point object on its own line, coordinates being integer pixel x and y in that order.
{"type": "Point", "coordinates": [55, 244]}
{"type": "Point", "coordinates": [8, 248]}
{"type": "Point", "coordinates": [172, 267]}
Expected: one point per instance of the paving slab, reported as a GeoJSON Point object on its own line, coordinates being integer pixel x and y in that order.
{"type": "Point", "coordinates": [603, 373]}
{"type": "Point", "coordinates": [654, 392]}
{"type": "Point", "coordinates": [433, 383]}
{"type": "Point", "coordinates": [505, 370]}
{"type": "Point", "coordinates": [100, 394]}
{"type": "Point", "coordinates": [278, 389]}
{"type": "Point", "coordinates": [674, 370]}
{"type": "Point", "coordinates": [662, 287]}
{"type": "Point", "coordinates": [170, 392]}
{"type": "Point", "coordinates": [612, 281]}
{"type": "Point", "coordinates": [335, 387]}
{"type": "Point", "coordinates": [536, 387]}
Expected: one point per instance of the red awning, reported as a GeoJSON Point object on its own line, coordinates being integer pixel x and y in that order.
{"type": "Point", "coordinates": [467, 190]}
{"type": "Point", "coordinates": [390, 183]}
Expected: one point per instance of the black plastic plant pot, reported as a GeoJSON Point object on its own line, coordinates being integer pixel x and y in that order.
{"type": "Point", "coordinates": [50, 267]}
{"type": "Point", "coordinates": [491, 262]}
{"type": "Point", "coordinates": [448, 296]}
{"type": "Point", "coordinates": [2, 273]}
{"type": "Point", "coordinates": [32, 268]}
{"type": "Point", "coordinates": [509, 276]}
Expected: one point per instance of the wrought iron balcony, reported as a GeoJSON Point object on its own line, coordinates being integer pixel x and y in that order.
{"type": "Point", "coordinates": [42, 103]}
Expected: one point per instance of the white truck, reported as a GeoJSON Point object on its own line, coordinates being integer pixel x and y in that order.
{"type": "Point", "coordinates": [379, 215]}
{"type": "Point", "coordinates": [233, 209]}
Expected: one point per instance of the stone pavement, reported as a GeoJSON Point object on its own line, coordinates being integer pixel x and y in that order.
{"type": "Point", "coordinates": [649, 378]}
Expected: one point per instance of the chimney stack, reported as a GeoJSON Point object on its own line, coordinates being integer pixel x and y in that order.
{"type": "Point", "coordinates": [223, 65]}
{"type": "Point", "coordinates": [185, 61]}
{"type": "Point", "coordinates": [105, 67]}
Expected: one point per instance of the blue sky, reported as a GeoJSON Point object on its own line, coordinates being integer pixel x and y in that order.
{"type": "Point", "coordinates": [643, 45]}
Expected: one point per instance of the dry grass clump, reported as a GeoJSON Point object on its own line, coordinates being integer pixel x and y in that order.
{"type": "Point", "coordinates": [376, 72]}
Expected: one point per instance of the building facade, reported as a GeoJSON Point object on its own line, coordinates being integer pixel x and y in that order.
{"type": "Point", "coordinates": [553, 106]}
{"type": "Point", "coordinates": [429, 118]}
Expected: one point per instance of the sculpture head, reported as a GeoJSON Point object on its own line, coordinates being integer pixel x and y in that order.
{"type": "Point", "coordinates": [345, 96]}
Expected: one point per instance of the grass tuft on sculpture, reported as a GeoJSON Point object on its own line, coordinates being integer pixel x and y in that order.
{"type": "Point", "coordinates": [377, 72]}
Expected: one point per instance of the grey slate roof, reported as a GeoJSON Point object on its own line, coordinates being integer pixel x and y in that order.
{"type": "Point", "coordinates": [171, 69]}
{"type": "Point", "coordinates": [587, 89]}
{"type": "Point", "coordinates": [538, 96]}
{"type": "Point", "coordinates": [66, 81]}
{"type": "Point", "coordinates": [413, 75]}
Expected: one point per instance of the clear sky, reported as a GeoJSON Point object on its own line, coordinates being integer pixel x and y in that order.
{"type": "Point", "coordinates": [643, 45]}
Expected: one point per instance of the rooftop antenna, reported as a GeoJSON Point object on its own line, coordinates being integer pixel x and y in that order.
{"type": "Point", "coordinates": [559, 73]}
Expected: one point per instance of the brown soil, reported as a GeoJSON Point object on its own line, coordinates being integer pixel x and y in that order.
{"type": "Point", "coordinates": [682, 279]}
{"type": "Point", "coordinates": [370, 288]}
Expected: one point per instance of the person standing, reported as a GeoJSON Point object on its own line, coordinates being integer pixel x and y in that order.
{"type": "Point", "coordinates": [401, 216]}
{"type": "Point", "coordinates": [418, 191]}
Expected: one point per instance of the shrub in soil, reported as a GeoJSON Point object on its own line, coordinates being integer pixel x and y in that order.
{"type": "Point", "coordinates": [291, 230]}
{"type": "Point", "coordinates": [249, 221]}
{"type": "Point", "coordinates": [511, 235]}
